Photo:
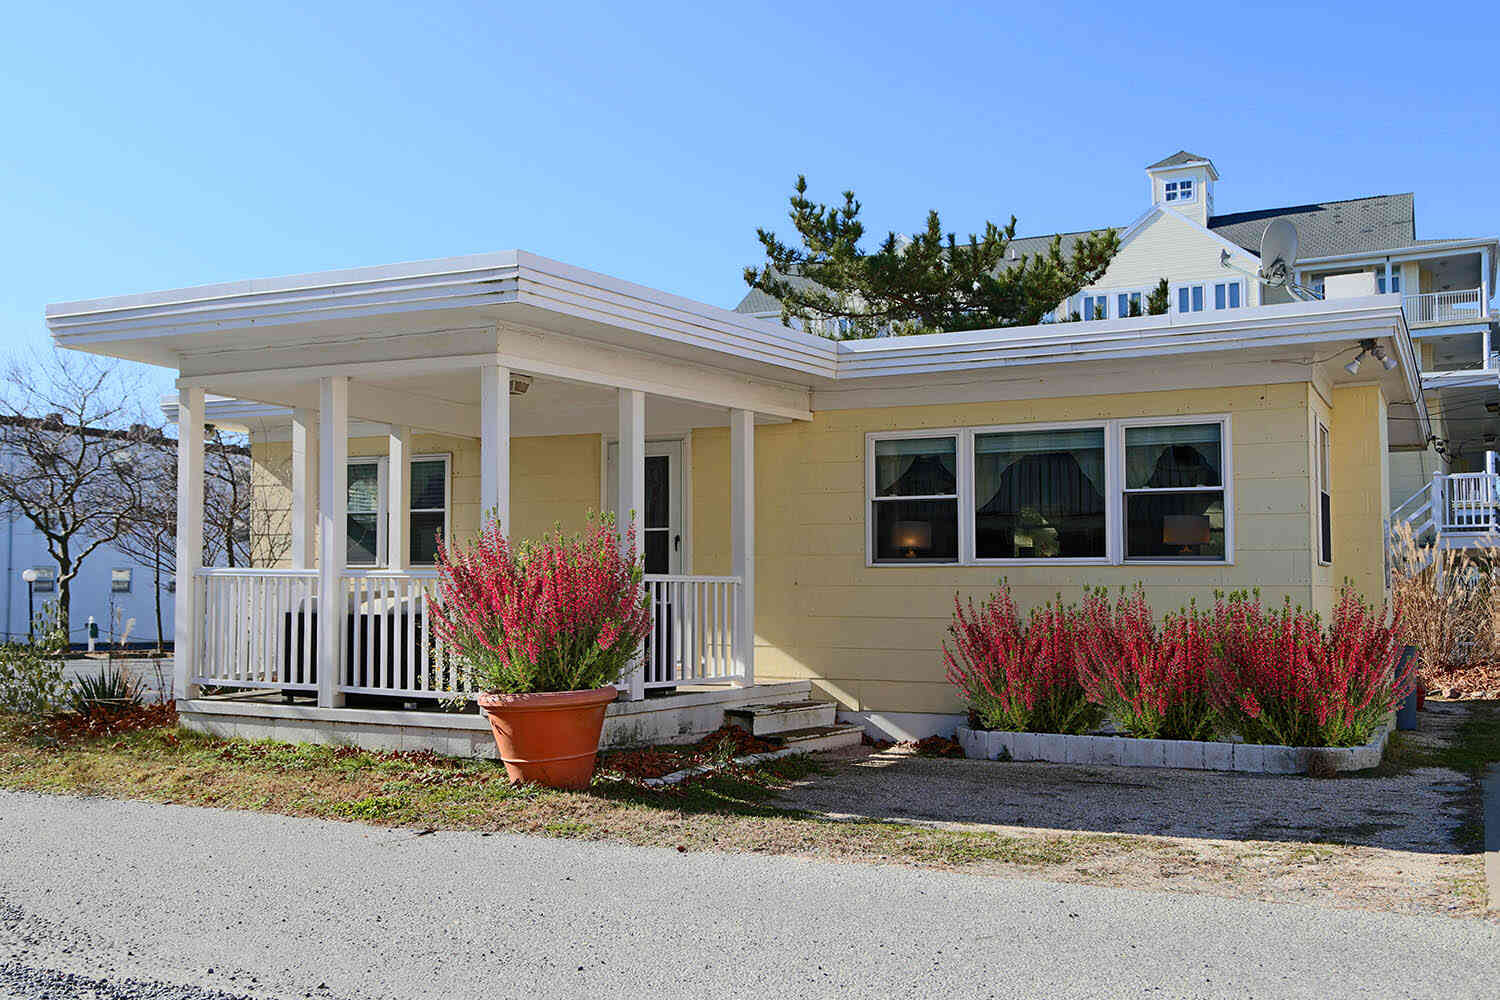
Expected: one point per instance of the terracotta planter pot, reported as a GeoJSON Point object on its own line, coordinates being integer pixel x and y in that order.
{"type": "Point", "coordinates": [551, 738]}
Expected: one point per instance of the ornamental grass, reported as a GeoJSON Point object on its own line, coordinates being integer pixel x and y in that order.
{"type": "Point", "coordinates": [564, 612]}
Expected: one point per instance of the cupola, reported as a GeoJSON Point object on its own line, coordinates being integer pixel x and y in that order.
{"type": "Point", "coordinates": [1184, 182]}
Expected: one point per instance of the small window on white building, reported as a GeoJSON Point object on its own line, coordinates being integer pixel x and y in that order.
{"type": "Point", "coordinates": [46, 580]}
{"type": "Point", "coordinates": [119, 581]}
{"type": "Point", "coordinates": [1190, 298]}
{"type": "Point", "coordinates": [1227, 295]}
{"type": "Point", "coordinates": [1179, 190]}
{"type": "Point", "coordinates": [1128, 304]}
{"type": "Point", "coordinates": [1395, 281]}
{"type": "Point", "coordinates": [1095, 307]}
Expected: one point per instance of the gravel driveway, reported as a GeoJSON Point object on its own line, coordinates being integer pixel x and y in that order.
{"type": "Point", "coordinates": [248, 904]}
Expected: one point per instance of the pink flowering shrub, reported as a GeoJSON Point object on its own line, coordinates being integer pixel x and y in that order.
{"type": "Point", "coordinates": [1155, 682]}
{"type": "Point", "coordinates": [1022, 678]}
{"type": "Point", "coordinates": [1285, 679]}
{"type": "Point", "coordinates": [558, 613]}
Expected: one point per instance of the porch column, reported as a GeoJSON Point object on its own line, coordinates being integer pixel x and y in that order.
{"type": "Point", "coordinates": [494, 444]}
{"type": "Point", "coordinates": [185, 624]}
{"type": "Point", "coordinates": [742, 521]}
{"type": "Point", "coordinates": [304, 474]}
{"type": "Point", "coordinates": [631, 470]}
{"type": "Point", "coordinates": [398, 481]}
{"type": "Point", "coordinates": [333, 501]}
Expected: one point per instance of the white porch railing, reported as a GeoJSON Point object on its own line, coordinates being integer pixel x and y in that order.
{"type": "Point", "coordinates": [693, 635]}
{"type": "Point", "coordinates": [256, 629]}
{"type": "Point", "coordinates": [1463, 305]}
{"type": "Point", "coordinates": [1451, 510]}
{"type": "Point", "coordinates": [387, 646]}
{"type": "Point", "coordinates": [260, 630]}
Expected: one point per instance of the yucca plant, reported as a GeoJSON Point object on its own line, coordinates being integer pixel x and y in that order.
{"type": "Point", "coordinates": [111, 687]}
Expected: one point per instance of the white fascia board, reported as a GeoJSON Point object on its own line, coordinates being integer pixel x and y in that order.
{"type": "Point", "coordinates": [484, 280]}
{"type": "Point", "coordinates": [1463, 378]}
{"type": "Point", "coordinates": [1408, 253]}
{"type": "Point", "coordinates": [238, 414]}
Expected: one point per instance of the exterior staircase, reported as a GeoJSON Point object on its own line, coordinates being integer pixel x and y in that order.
{"type": "Point", "coordinates": [1454, 510]}
{"type": "Point", "coordinates": [806, 726]}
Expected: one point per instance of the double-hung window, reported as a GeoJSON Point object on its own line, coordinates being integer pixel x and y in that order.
{"type": "Point", "coordinates": [914, 502]}
{"type": "Point", "coordinates": [1129, 304]}
{"type": "Point", "coordinates": [1190, 298]}
{"type": "Point", "coordinates": [1095, 307]}
{"type": "Point", "coordinates": [1040, 494]}
{"type": "Point", "coordinates": [1174, 491]}
{"type": "Point", "coordinates": [1227, 295]}
{"type": "Point", "coordinates": [1325, 500]}
{"type": "Point", "coordinates": [1395, 282]}
{"type": "Point", "coordinates": [1110, 491]}
{"type": "Point", "coordinates": [1181, 190]}
{"type": "Point", "coordinates": [119, 581]}
{"type": "Point", "coordinates": [366, 514]}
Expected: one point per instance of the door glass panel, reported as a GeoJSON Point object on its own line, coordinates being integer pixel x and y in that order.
{"type": "Point", "coordinates": [362, 520]}
{"type": "Point", "coordinates": [658, 493]}
{"type": "Point", "coordinates": [658, 551]}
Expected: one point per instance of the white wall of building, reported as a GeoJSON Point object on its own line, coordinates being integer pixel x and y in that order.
{"type": "Point", "coordinates": [23, 547]}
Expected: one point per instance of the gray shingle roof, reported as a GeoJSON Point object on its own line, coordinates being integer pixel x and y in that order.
{"type": "Point", "coordinates": [1177, 159]}
{"type": "Point", "coordinates": [1325, 229]}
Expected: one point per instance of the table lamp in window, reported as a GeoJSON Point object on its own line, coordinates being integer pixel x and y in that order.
{"type": "Point", "coordinates": [1185, 530]}
{"type": "Point", "coordinates": [912, 537]}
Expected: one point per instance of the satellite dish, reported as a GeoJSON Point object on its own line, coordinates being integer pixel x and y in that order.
{"type": "Point", "coordinates": [1278, 252]}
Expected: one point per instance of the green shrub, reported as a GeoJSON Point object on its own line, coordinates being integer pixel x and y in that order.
{"type": "Point", "coordinates": [32, 685]}
{"type": "Point", "coordinates": [112, 687]}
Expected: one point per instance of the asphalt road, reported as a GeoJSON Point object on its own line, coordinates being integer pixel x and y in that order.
{"type": "Point", "coordinates": [133, 900]}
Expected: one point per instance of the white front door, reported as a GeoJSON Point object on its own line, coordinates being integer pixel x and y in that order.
{"type": "Point", "coordinates": [662, 517]}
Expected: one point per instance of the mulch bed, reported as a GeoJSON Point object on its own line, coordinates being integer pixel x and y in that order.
{"type": "Point", "coordinates": [111, 720]}
{"type": "Point", "coordinates": [1479, 680]}
{"type": "Point", "coordinates": [724, 743]}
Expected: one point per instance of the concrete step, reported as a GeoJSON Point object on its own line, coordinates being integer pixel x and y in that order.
{"type": "Point", "coordinates": [816, 738]}
{"type": "Point", "coordinates": [774, 718]}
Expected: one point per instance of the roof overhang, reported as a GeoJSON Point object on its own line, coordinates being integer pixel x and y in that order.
{"type": "Point", "coordinates": [255, 339]}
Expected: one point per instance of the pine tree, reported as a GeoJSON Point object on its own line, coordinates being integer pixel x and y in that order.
{"type": "Point", "coordinates": [924, 283]}
{"type": "Point", "coordinates": [1156, 302]}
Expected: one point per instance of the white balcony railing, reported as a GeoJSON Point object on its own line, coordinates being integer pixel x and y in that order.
{"type": "Point", "coordinates": [1463, 305]}
{"type": "Point", "coordinates": [693, 634]}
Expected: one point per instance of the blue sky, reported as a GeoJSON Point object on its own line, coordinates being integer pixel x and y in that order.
{"type": "Point", "coordinates": [153, 146]}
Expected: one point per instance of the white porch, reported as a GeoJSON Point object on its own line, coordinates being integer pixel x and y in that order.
{"type": "Point", "coordinates": [1454, 510]}
{"type": "Point", "coordinates": [261, 628]}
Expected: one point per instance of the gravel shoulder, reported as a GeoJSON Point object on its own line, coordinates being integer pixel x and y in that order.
{"type": "Point", "coordinates": [278, 906]}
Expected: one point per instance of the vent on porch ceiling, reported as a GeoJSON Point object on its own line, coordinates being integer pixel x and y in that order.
{"type": "Point", "coordinates": [519, 384]}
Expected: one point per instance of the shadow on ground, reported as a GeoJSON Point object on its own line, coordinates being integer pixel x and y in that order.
{"type": "Point", "coordinates": [1421, 809]}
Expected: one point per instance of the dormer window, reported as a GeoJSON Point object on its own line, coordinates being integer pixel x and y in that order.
{"type": "Point", "coordinates": [1179, 190]}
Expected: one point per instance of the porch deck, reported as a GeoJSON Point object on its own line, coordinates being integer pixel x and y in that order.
{"type": "Point", "coordinates": [681, 716]}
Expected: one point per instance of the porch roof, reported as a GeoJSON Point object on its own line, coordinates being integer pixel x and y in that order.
{"type": "Point", "coordinates": [541, 316]}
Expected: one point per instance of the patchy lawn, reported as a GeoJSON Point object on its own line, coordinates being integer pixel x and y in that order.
{"type": "Point", "coordinates": [773, 808]}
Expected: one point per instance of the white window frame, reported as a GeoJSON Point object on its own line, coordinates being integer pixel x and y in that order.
{"type": "Point", "coordinates": [1114, 480]}
{"type": "Point", "coordinates": [1172, 190]}
{"type": "Point", "coordinates": [1126, 294]}
{"type": "Point", "coordinates": [115, 580]}
{"type": "Point", "coordinates": [1323, 463]}
{"type": "Point", "coordinates": [1174, 297]}
{"type": "Point", "coordinates": [1099, 298]}
{"type": "Point", "coordinates": [447, 459]}
{"type": "Point", "coordinates": [46, 580]}
{"type": "Point", "coordinates": [383, 504]}
{"type": "Point", "coordinates": [1225, 423]}
{"type": "Point", "coordinates": [1211, 302]}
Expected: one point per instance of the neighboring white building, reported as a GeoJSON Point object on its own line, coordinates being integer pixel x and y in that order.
{"type": "Point", "coordinates": [111, 587]}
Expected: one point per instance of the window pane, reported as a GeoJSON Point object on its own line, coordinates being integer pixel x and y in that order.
{"type": "Point", "coordinates": [656, 492]}
{"type": "Point", "coordinates": [1182, 300]}
{"type": "Point", "coordinates": [1234, 295]}
{"type": "Point", "coordinates": [1197, 298]}
{"type": "Point", "coordinates": [425, 528]}
{"type": "Point", "coordinates": [916, 530]}
{"type": "Point", "coordinates": [1039, 494]}
{"type": "Point", "coordinates": [1173, 456]}
{"type": "Point", "coordinates": [915, 467]}
{"type": "Point", "coordinates": [1325, 528]}
{"type": "Point", "coordinates": [364, 543]}
{"type": "Point", "coordinates": [428, 485]}
{"type": "Point", "coordinates": [1174, 525]}
{"type": "Point", "coordinates": [1219, 293]}
{"type": "Point", "coordinates": [364, 488]}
